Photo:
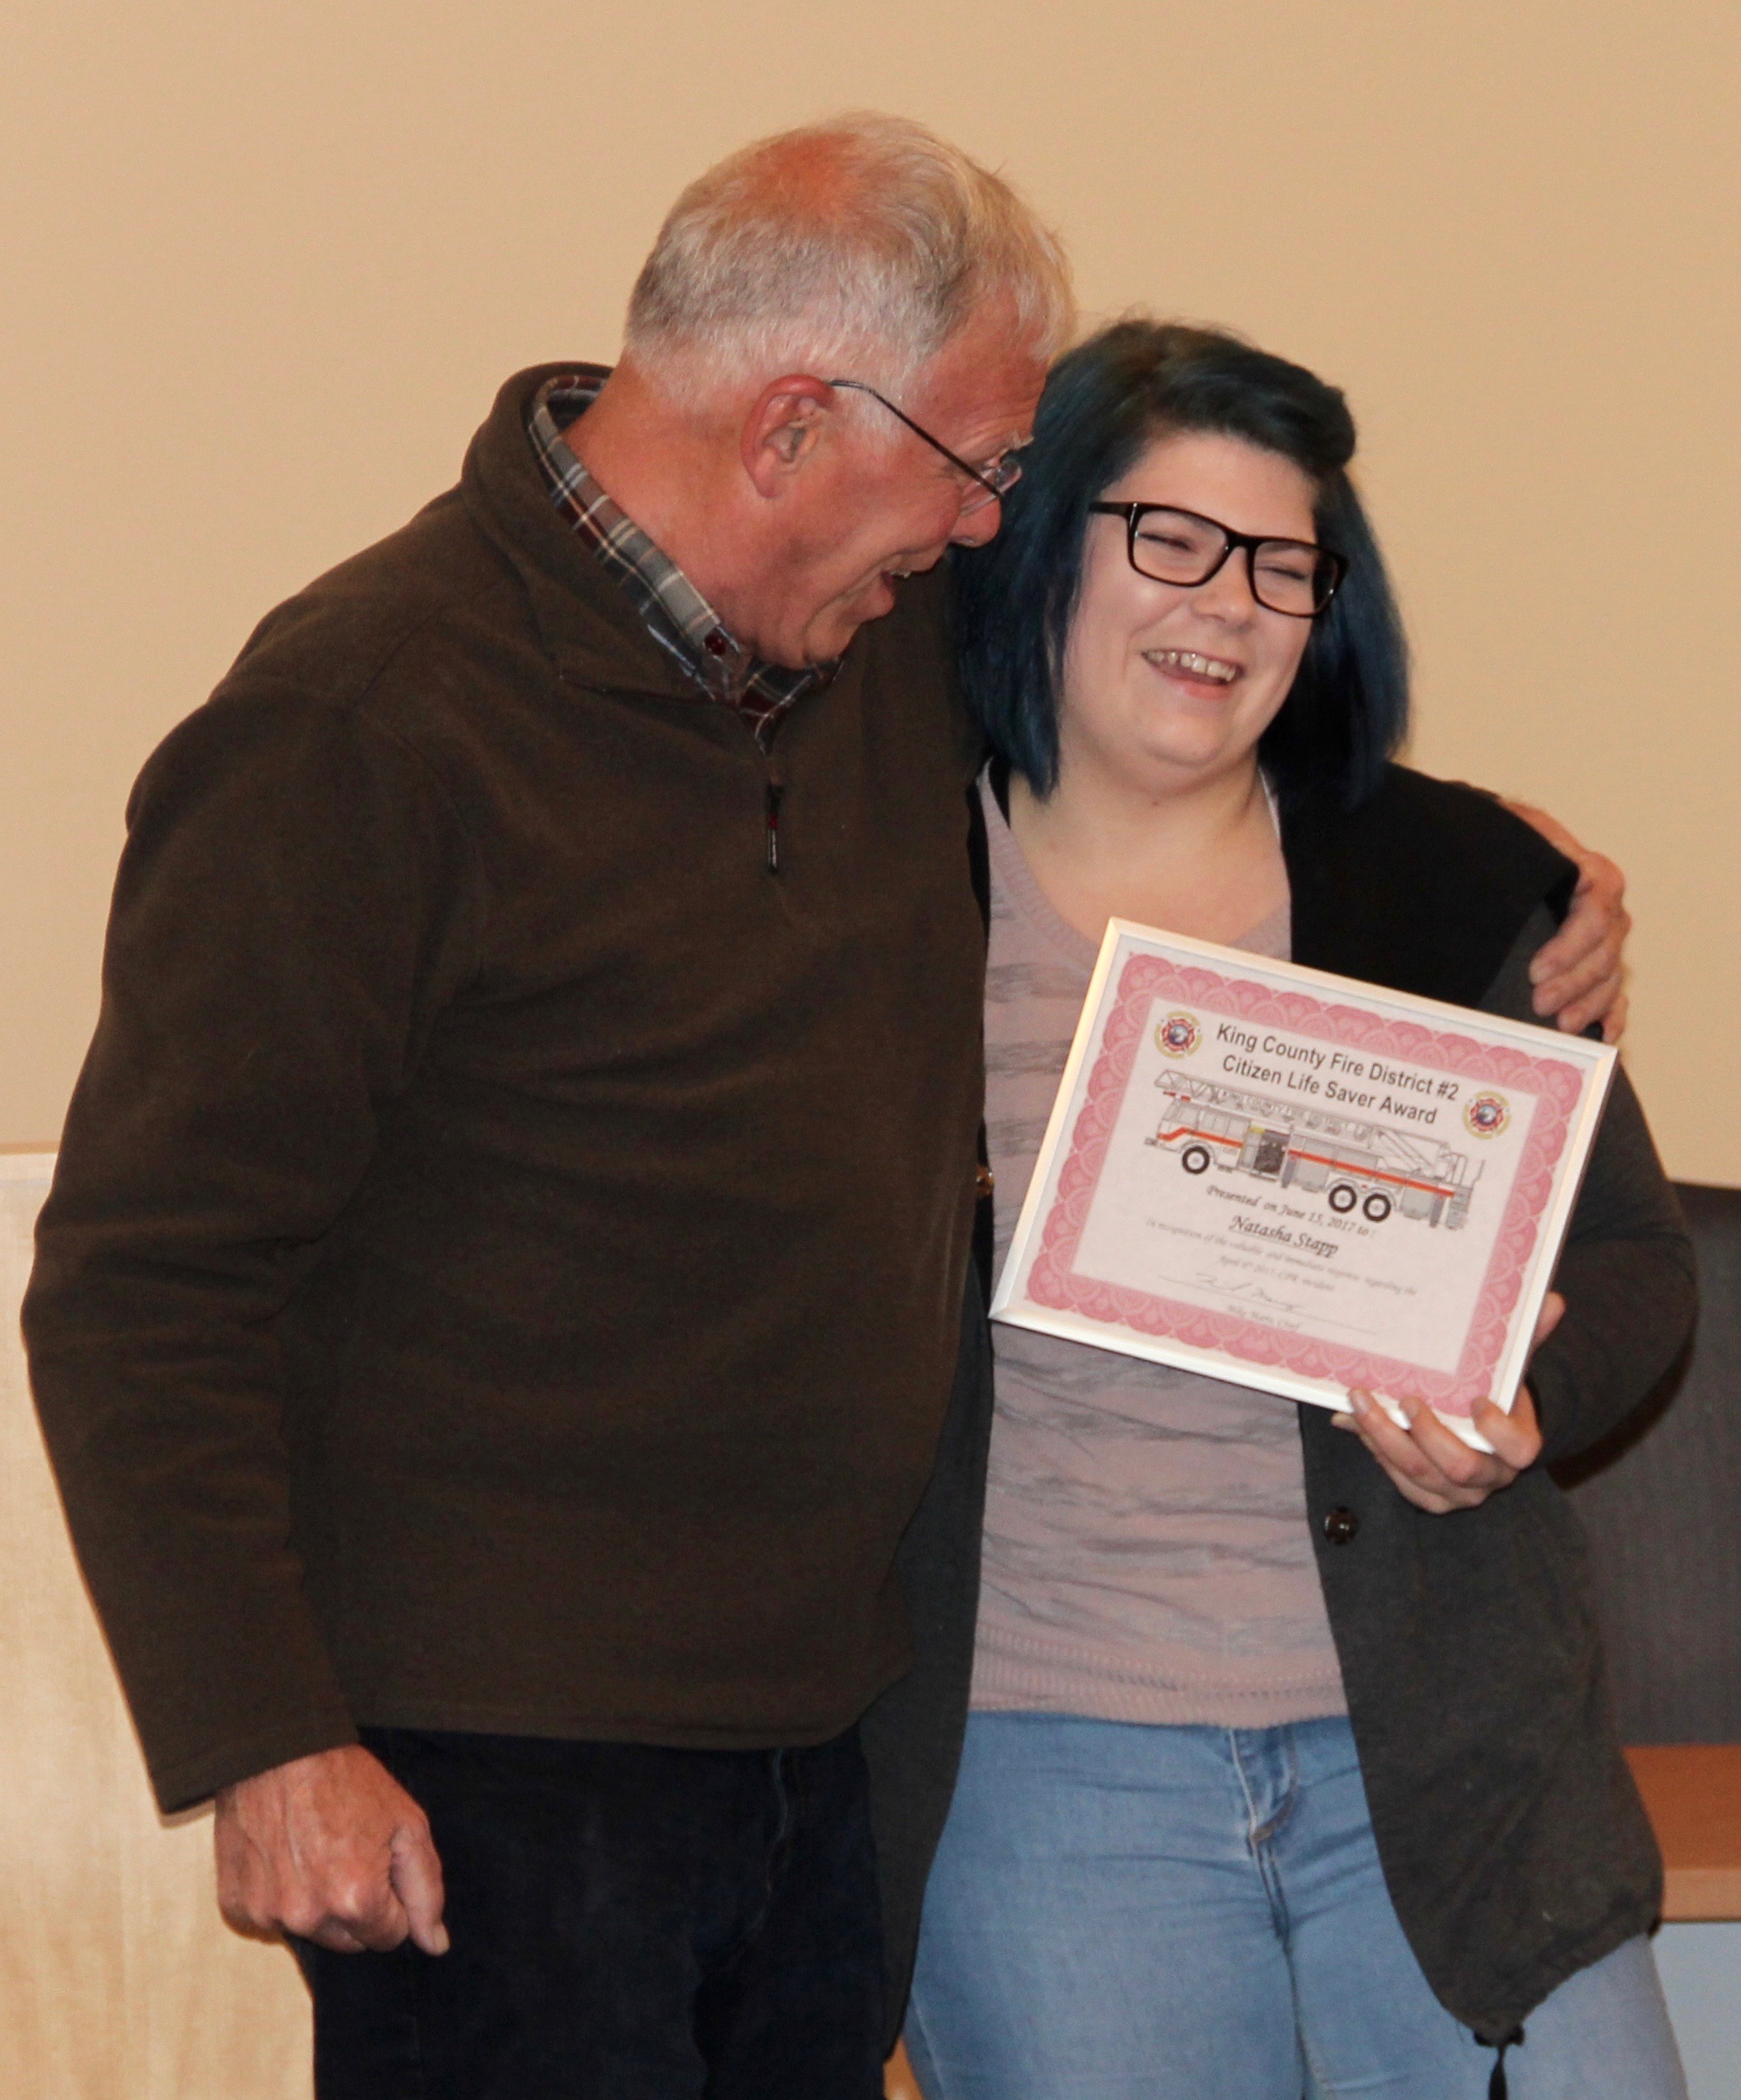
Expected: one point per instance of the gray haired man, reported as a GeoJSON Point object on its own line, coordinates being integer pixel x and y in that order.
{"type": "Point", "coordinates": [497, 1308]}
{"type": "Point", "coordinates": [503, 1283]}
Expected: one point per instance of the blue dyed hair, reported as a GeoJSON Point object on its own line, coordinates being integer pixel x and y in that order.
{"type": "Point", "coordinates": [1105, 403]}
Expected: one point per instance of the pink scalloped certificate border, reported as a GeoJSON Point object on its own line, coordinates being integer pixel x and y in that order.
{"type": "Point", "coordinates": [1054, 1282]}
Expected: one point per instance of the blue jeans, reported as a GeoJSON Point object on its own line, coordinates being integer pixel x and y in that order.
{"type": "Point", "coordinates": [627, 1924]}
{"type": "Point", "coordinates": [1127, 1912]}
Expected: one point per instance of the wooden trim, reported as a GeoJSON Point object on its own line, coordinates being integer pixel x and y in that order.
{"type": "Point", "coordinates": [898, 2080]}
{"type": "Point", "coordinates": [1693, 1793]}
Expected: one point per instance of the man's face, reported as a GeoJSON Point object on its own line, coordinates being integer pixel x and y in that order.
{"type": "Point", "coordinates": [872, 506]}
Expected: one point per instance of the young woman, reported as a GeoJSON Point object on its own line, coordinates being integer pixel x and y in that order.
{"type": "Point", "coordinates": [1290, 1767]}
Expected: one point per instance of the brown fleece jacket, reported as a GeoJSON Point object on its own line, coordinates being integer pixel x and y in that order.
{"type": "Point", "coordinates": [505, 1268]}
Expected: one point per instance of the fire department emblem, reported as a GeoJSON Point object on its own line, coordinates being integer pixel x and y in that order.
{"type": "Point", "coordinates": [1487, 1114]}
{"type": "Point", "coordinates": [1178, 1035]}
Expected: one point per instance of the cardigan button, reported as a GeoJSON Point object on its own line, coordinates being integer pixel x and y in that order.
{"type": "Point", "coordinates": [984, 1182]}
{"type": "Point", "coordinates": [1339, 1526]}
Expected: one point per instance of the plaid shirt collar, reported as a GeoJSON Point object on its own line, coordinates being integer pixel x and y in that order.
{"type": "Point", "coordinates": [676, 616]}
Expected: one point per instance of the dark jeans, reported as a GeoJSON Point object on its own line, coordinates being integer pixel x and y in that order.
{"type": "Point", "coordinates": [628, 1923]}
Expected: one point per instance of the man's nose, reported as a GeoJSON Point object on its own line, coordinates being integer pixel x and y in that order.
{"type": "Point", "coordinates": [973, 528]}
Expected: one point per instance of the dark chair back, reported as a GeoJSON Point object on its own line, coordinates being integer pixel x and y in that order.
{"type": "Point", "coordinates": [1661, 1500]}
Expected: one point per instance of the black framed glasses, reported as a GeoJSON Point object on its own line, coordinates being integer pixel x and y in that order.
{"type": "Point", "coordinates": [991, 483]}
{"type": "Point", "coordinates": [1294, 577]}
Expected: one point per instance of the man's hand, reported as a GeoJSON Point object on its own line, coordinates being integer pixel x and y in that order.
{"type": "Point", "coordinates": [332, 1848]}
{"type": "Point", "coordinates": [1579, 976]}
{"type": "Point", "coordinates": [1431, 1464]}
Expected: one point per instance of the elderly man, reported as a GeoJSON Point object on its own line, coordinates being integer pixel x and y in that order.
{"type": "Point", "coordinates": [498, 1303]}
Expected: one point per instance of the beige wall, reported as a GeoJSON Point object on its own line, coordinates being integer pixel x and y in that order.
{"type": "Point", "coordinates": [264, 266]}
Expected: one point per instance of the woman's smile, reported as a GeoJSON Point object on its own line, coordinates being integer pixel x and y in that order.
{"type": "Point", "coordinates": [1193, 666]}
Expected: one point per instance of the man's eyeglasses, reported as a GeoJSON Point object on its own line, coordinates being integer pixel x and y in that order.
{"type": "Point", "coordinates": [991, 483]}
{"type": "Point", "coordinates": [1294, 577]}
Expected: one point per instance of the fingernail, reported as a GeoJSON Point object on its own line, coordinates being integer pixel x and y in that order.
{"type": "Point", "coordinates": [442, 1942]}
{"type": "Point", "coordinates": [1361, 1403]}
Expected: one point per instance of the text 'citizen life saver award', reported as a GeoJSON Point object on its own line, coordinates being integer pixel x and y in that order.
{"type": "Point", "coordinates": [1300, 1183]}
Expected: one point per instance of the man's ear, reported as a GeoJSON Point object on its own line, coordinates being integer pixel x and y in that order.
{"type": "Point", "coordinates": [782, 429]}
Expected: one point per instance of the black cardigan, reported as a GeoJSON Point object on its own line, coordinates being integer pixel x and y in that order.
{"type": "Point", "coordinates": [1514, 1843]}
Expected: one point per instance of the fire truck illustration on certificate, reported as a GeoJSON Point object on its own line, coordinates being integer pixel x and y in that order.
{"type": "Point", "coordinates": [1316, 1151]}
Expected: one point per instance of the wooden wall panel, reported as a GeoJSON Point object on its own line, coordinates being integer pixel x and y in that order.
{"type": "Point", "coordinates": [119, 1979]}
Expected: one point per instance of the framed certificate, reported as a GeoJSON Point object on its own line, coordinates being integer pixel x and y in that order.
{"type": "Point", "coordinates": [1301, 1183]}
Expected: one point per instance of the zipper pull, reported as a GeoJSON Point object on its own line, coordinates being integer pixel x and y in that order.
{"type": "Point", "coordinates": [775, 791]}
